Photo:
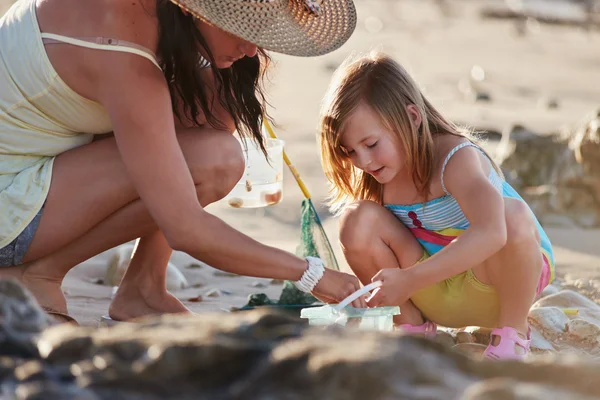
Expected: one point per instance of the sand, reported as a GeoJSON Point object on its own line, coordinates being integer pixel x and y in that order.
{"type": "Point", "coordinates": [522, 74]}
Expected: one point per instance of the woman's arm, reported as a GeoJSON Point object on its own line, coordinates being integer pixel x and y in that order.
{"type": "Point", "coordinates": [138, 101]}
{"type": "Point", "coordinates": [136, 96]}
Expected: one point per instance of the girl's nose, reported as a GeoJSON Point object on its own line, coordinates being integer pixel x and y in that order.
{"type": "Point", "coordinates": [364, 161]}
{"type": "Point", "coordinates": [248, 49]}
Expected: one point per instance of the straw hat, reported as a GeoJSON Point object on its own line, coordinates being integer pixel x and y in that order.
{"type": "Point", "coordinates": [296, 27]}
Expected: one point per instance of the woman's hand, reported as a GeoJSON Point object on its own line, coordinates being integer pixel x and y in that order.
{"type": "Point", "coordinates": [335, 286]}
{"type": "Point", "coordinates": [397, 288]}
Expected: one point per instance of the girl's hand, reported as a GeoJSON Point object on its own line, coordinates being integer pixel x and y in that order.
{"type": "Point", "coordinates": [335, 286]}
{"type": "Point", "coordinates": [395, 290]}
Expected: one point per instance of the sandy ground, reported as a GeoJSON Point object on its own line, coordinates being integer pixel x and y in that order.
{"type": "Point", "coordinates": [521, 72]}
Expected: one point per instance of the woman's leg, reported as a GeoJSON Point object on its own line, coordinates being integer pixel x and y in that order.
{"type": "Point", "coordinates": [92, 206]}
{"type": "Point", "coordinates": [516, 269]}
{"type": "Point", "coordinates": [372, 238]}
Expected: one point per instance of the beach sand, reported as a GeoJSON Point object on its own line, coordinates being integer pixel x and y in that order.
{"type": "Point", "coordinates": [522, 74]}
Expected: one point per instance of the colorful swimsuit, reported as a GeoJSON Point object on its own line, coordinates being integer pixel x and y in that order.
{"type": "Point", "coordinates": [461, 300]}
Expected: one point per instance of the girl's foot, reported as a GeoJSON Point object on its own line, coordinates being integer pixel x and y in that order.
{"type": "Point", "coordinates": [132, 301]}
{"type": "Point", "coordinates": [508, 344]}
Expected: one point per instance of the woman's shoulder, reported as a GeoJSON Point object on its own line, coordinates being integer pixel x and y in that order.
{"type": "Point", "coordinates": [132, 21]}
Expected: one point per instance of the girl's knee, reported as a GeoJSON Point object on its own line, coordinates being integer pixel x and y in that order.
{"type": "Point", "coordinates": [520, 223]}
{"type": "Point", "coordinates": [358, 223]}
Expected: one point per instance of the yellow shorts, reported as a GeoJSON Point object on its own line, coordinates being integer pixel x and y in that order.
{"type": "Point", "coordinates": [459, 301]}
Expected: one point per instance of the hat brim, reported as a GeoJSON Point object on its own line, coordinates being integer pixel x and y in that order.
{"type": "Point", "coordinates": [282, 26]}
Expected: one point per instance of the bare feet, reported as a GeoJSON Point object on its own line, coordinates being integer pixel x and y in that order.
{"type": "Point", "coordinates": [47, 290]}
{"type": "Point", "coordinates": [132, 301]}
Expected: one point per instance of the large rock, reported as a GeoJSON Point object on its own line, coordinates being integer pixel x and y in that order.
{"type": "Point", "coordinates": [21, 320]}
{"type": "Point", "coordinates": [558, 175]}
{"type": "Point", "coordinates": [262, 355]}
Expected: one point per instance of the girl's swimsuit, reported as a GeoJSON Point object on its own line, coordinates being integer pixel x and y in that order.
{"type": "Point", "coordinates": [461, 300]}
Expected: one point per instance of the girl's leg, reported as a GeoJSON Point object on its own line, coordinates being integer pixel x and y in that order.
{"type": "Point", "coordinates": [92, 206]}
{"type": "Point", "coordinates": [516, 269]}
{"type": "Point", "coordinates": [372, 238]}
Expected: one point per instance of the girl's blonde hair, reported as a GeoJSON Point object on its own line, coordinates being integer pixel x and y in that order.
{"type": "Point", "coordinates": [386, 87]}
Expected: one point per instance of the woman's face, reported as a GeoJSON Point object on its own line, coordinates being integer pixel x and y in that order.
{"type": "Point", "coordinates": [225, 47]}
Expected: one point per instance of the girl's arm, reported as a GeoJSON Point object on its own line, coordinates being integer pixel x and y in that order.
{"type": "Point", "coordinates": [483, 206]}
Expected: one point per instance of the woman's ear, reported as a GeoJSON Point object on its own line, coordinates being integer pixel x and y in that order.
{"type": "Point", "coordinates": [414, 114]}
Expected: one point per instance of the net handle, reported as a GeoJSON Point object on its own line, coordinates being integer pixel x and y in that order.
{"type": "Point", "coordinates": [288, 162]}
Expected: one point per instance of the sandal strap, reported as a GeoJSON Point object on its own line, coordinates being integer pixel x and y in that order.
{"type": "Point", "coordinates": [509, 338]}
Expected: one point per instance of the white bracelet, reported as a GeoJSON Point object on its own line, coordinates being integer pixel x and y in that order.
{"type": "Point", "coordinates": [312, 275]}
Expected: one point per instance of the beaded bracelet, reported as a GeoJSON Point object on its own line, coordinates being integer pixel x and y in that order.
{"type": "Point", "coordinates": [312, 275]}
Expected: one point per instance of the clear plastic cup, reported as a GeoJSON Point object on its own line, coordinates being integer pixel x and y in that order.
{"type": "Point", "coordinates": [262, 182]}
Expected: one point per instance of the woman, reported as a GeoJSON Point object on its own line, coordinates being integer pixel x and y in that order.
{"type": "Point", "coordinates": [171, 82]}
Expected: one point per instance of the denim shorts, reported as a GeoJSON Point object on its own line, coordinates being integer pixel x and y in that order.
{"type": "Point", "coordinates": [13, 253]}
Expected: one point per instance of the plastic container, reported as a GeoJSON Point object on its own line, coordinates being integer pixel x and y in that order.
{"type": "Point", "coordinates": [379, 318]}
{"type": "Point", "coordinates": [262, 182]}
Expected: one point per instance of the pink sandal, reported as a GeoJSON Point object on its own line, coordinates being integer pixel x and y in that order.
{"type": "Point", "coordinates": [506, 348]}
{"type": "Point", "coordinates": [428, 329]}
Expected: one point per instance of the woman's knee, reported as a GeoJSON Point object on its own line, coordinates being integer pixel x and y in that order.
{"type": "Point", "coordinates": [358, 223]}
{"type": "Point", "coordinates": [520, 223]}
{"type": "Point", "coordinates": [216, 165]}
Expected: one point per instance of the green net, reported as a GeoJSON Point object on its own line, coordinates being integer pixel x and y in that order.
{"type": "Point", "coordinates": [313, 240]}
{"type": "Point", "coordinates": [314, 243]}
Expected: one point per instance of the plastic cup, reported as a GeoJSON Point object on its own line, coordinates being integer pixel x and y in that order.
{"type": "Point", "coordinates": [261, 184]}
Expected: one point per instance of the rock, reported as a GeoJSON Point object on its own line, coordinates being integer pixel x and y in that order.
{"type": "Point", "coordinates": [471, 350]}
{"type": "Point", "coordinates": [549, 290]}
{"type": "Point", "coordinates": [548, 319]}
{"type": "Point", "coordinates": [445, 338]}
{"type": "Point", "coordinates": [262, 354]}
{"type": "Point", "coordinates": [259, 284]}
{"type": "Point", "coordinates": [548, 103]}
{"type": "Point", "coordinates": [464, 337]}
{"type": "Point", "coordinates": [583, 330]}
{"type": "Point", "coordinates": [539, 343]}
{"type": "Point", "coordinates": [478, 334]}
{"type": "Point", "coordinates": [119, 262]}
{"type": "Point", "coordinates": [558, 175]}
{"type": "Point", "coordinates": [225, 274]}
{"type": "Point", "coordinates": [21, 320]}
{"type": "Point", "coordinates": [214, 293]}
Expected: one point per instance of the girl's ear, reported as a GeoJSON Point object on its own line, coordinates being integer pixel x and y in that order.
{"type": "Point", "coordinates": [414, 114]}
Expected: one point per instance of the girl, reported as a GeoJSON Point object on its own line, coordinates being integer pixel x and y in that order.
{"type": "Point", "coordinates": [169, 81]}
{"type": "Point", "coordinates": [427, 212]}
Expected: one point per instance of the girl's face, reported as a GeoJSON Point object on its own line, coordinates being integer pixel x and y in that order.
{"type": "Point", "coordinates": [225, 47]}
{"type": "Point", "coordinates": [371, 146]}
